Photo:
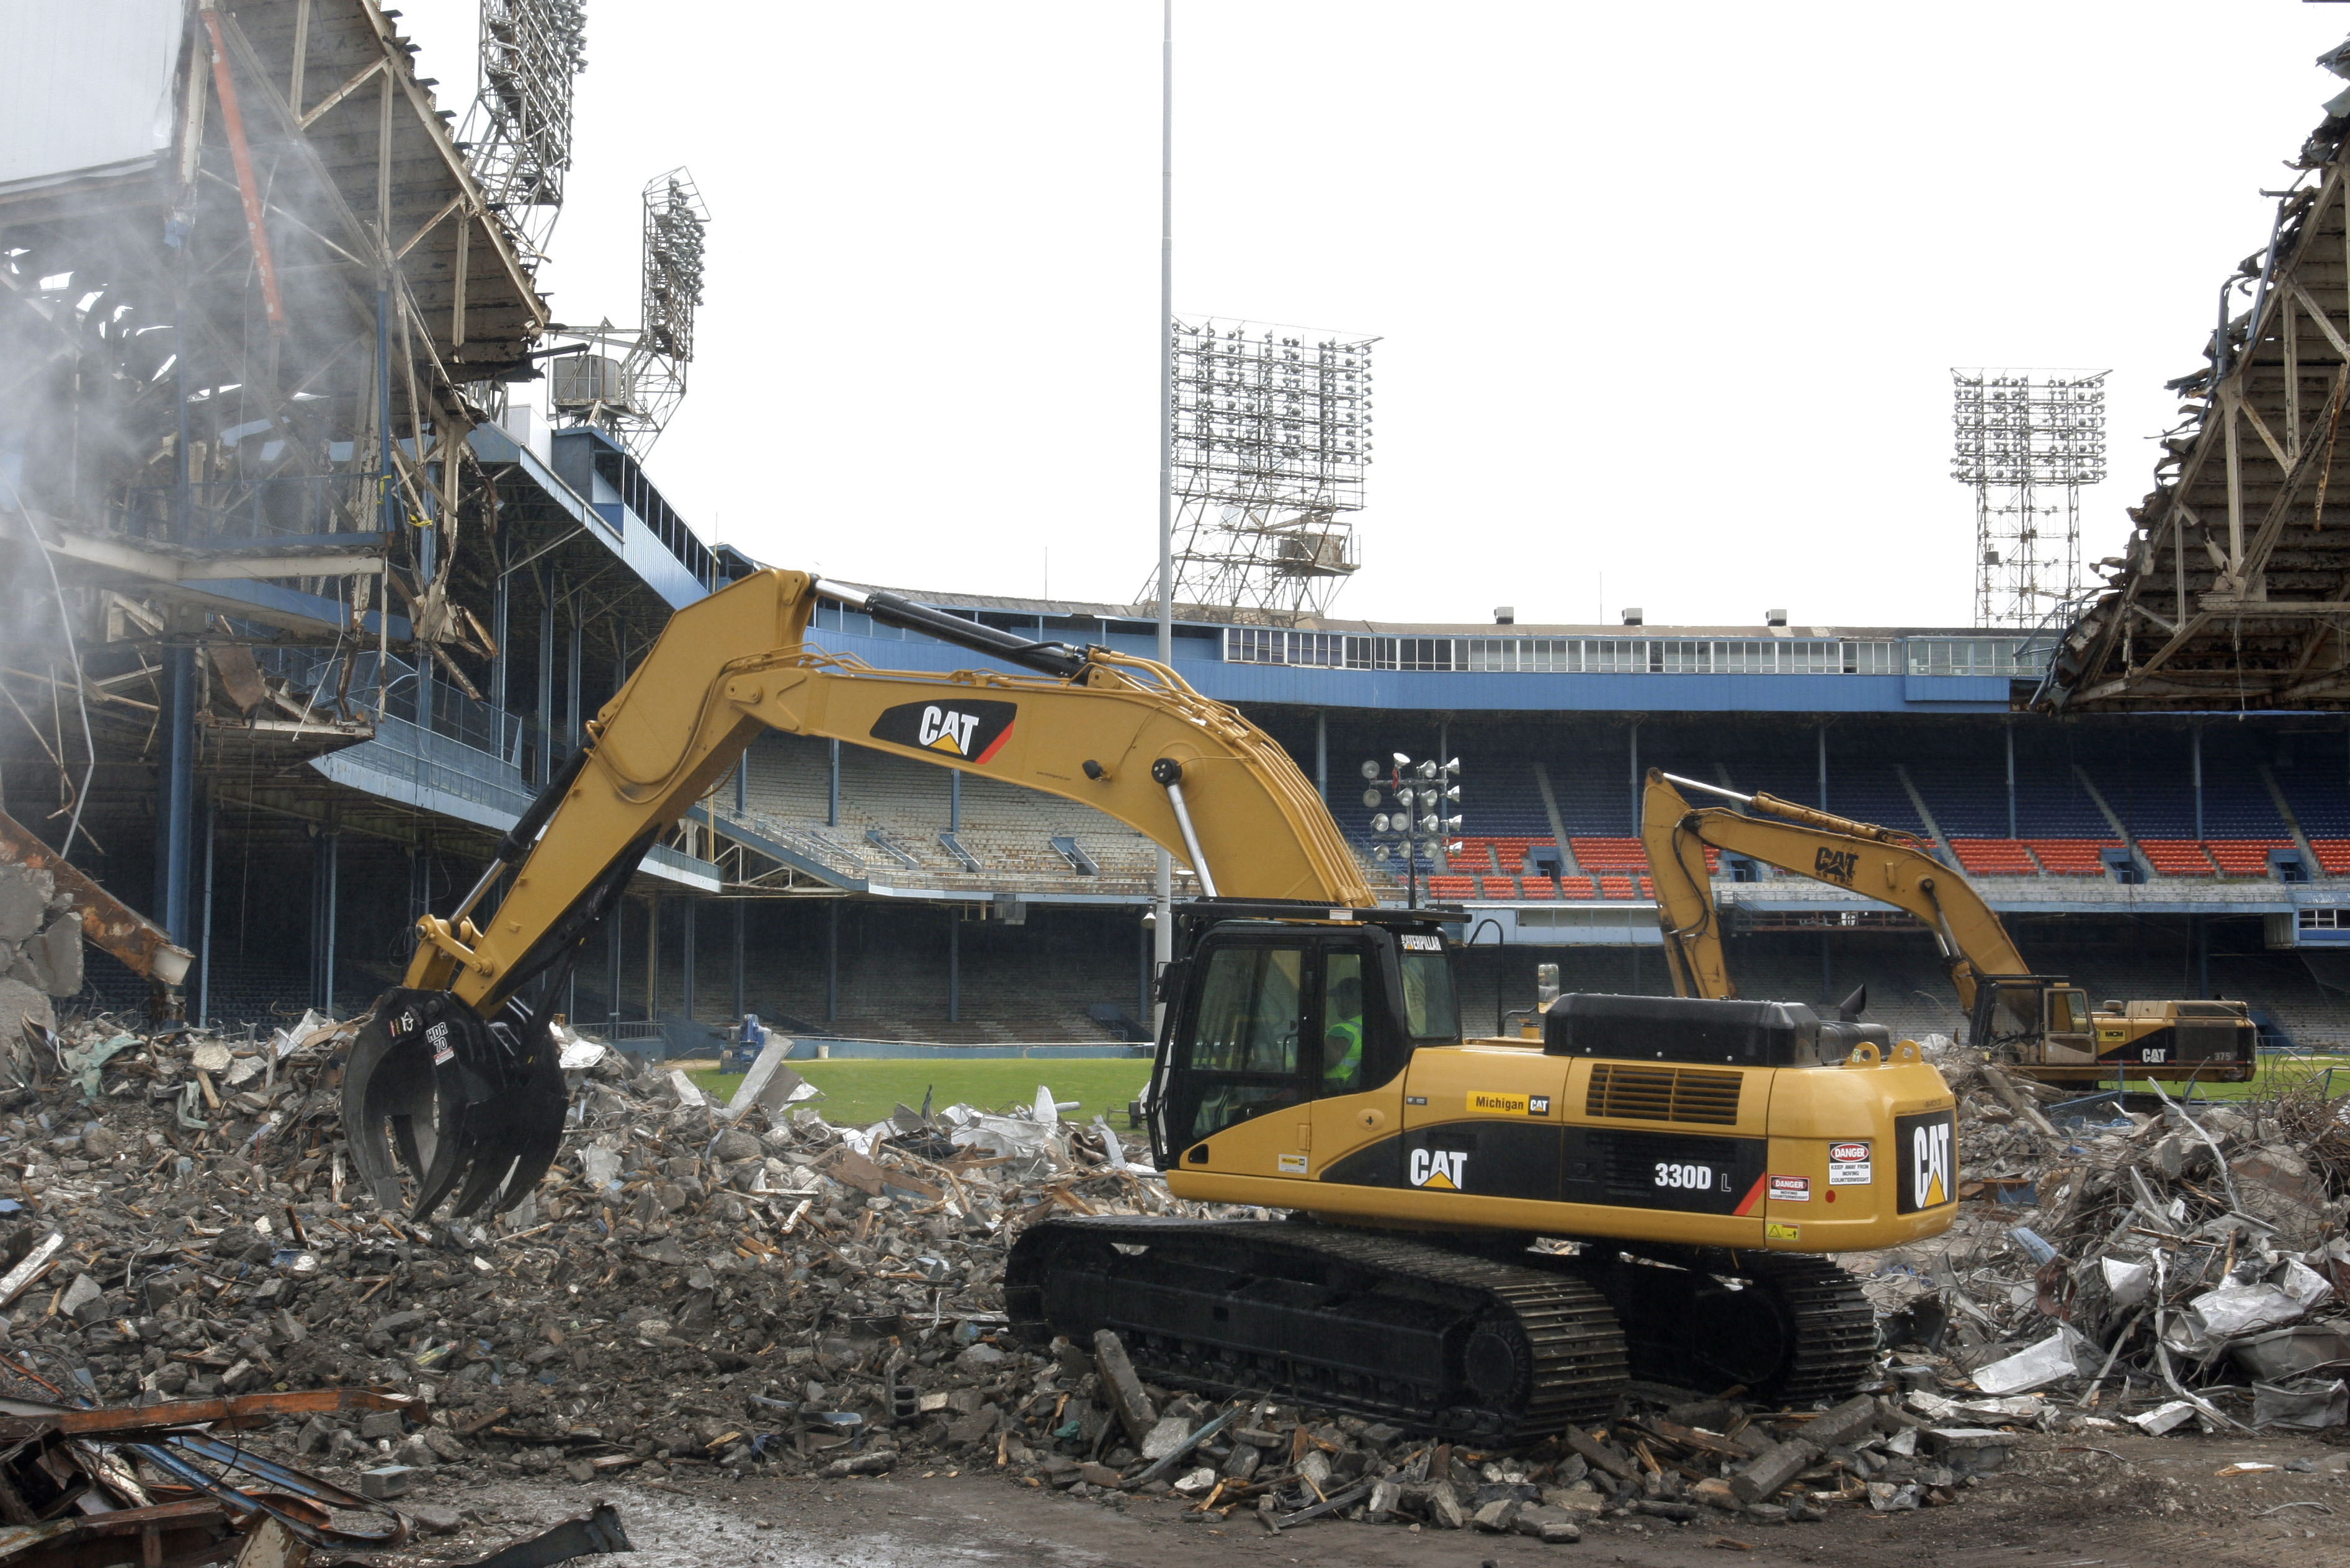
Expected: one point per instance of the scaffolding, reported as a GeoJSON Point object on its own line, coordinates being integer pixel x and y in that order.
{"type": "Point", "coordinates": [2027, 441]}
{"type": "Point", "coordinates": [1272, 433]}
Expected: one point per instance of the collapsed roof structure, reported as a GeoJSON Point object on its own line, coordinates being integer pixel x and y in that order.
{"type": "Point", "coordinates": [2233, 592]}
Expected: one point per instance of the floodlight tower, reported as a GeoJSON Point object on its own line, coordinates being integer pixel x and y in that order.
{"type": "Point", "coordinates": [1270, 429]}
{"type": "Point", "coordinates": [2027, 440]}
{"type": "Point", "coordinates": [634, 384]}
{"type": "Point", "coordinates": [1409, 801]}
{"type": "Point", "coordinates": [519, 128]}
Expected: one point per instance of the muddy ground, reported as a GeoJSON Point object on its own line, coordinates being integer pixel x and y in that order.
{"type": "Point", "coordinates": [2143, 1500]}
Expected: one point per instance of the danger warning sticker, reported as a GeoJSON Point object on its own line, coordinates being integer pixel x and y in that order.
{"type": "Point", "coordinates": [1848, 1165]}
{"type": "Point", "coordinates": [1790, 1189]}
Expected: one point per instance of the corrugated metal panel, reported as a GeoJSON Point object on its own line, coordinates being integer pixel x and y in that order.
{"type": "Point", "coordinates": [85, 89]}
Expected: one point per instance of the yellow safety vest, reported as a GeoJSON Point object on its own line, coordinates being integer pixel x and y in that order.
{"type": "Point", "coordinates": [1351, 1062]}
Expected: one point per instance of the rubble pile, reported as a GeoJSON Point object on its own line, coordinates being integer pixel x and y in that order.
{"type": "Point", "coordinates": [687, 1287]}
{"type": "Point", "coordinates": [706, 1289]}
{"type": "Point", "coordinates": [1711, 1462]}
{"type": "Point", "coordinates": [2138, 1257]}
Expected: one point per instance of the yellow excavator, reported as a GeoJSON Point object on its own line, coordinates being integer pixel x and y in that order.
{"type": "Point", "coordinates": [1689, 1162]}
{"type": "Point", "coordinates": [2040, 1023]}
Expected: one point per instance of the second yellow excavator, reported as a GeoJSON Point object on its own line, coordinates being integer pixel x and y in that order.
{"type": "Point", "coordinates": [1688, 1163]}
{"type": "Point", "coordinates": [2040, 1023]}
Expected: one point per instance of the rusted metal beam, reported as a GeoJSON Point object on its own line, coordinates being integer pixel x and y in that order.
{"type": "Point", "coordinates": [107, 921]}
{"type": "Point", "coordinates": [21, 1419]}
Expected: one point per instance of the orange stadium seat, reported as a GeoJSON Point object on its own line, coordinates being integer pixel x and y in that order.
{"type": "Point", "coordinates": [1454, 889]}
{"type": "Point", "coordinates": [1580, 887]}
{"type": "Point", "coordinates": [2243, 857]}
{"type": "Point", "coordinates": [2176, 857]}
{"type": "Point", "coordinates": [2071, 856]}
{"type": "Point", "coordinates": [1541, 890]}
{"type": "Point", "coordinates": [1609, 854]}
{"type": "Point", "coordinates": [1500, 887]}
{"type": "Point", "coordinates": [1993, 858]}
{"type": "Point", "coordinates": [2333, 856]}
{"type": "Point", "coordinates": [1475, 854]}
{"type": "Point", "coordinates": [1647, 889]}
{"type": "Point", "coordinates": [1615, 886]}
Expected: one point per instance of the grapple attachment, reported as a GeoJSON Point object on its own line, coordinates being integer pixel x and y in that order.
{"type": "Point", "coordinates": [465, 1105]}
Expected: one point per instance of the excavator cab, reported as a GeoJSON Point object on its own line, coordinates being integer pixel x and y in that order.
{"type": "Point", "coordinates": [1269, 1013]}
{"type": "Point", "coordinates": [2043, 1018]}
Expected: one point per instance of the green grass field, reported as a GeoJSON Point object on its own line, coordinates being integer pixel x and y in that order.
{"type": "Point", "coordinates": [860, 1091]}
{"type": "Point", "coordinates": [2277, 1073]}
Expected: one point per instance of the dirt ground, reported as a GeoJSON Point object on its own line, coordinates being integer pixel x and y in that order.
{"type": "Point", "coordinates": [2141, 1501]}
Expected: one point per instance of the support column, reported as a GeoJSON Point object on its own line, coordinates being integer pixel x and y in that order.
{"type": "Point", "coordinates": [1142, 1003]}
{"type": "Point", "coordinates": [1634, 732]}
{"type": "Point", "coordinates": [1322, 754]}
{"type": "Point", "coordinates": [175, 792]}
{"type": "Point", "coordinates": [2194, 752]}
{"type": "Point", "coordinates": [325, 845]}
{"type": "Point", "coordinates": [420, 883]}
{"type": "Point", "coordinates": [2011, 833]}
{"type": "Point", "coordinates": [501, 609]}
{"type": "Point", "coordinates": [741, 1004]}
{"type": "Point", "coordinates": [954, 800]}
{"type": "Point", "coordinates": [832, 796]}
{"type": "Point", "coordinates": [210, 813]}
{"type": "Point", "coordinates": [832, 957]}
{"type": "Point", "coordinates": [1822, 730]}
{"type": "Point", "coordinates": [652, 957]}
{"type": "Point", "coordinates": [613, 961]}
{"type": "Point", "coordinates": [575, 722]}
{"type": "Point", "coordinates": [743, 783]}
{"type": "Point", "coordinates": [955, 964]}
{"type": "Point", "coordinates": [690, 908]}
{"type": "Point", "coordinates": [542, 766]}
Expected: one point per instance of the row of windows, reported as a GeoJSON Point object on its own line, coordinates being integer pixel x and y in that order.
{"type": "Point", "coordinates": [1633, 655]}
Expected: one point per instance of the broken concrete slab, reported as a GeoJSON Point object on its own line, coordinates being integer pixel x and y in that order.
{"type": "Point", "coordinates": [1763, 1476]}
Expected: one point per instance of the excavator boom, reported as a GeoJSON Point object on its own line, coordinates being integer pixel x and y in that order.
{"type": "Point", "coordinates": [1879, 863]}
{"type": "Point", "coordinates": [454, 1076]}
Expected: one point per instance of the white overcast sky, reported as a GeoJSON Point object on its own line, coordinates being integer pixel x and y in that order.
{"type": "Point", "coordinates": [1669, 293]}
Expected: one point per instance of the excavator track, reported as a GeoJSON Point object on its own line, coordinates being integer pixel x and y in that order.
{"type": "Point", "coordinates": [1783, 1326]}
{"type": "Point", "coordinates": [1835, 1327]}
{"type": "Point", "coordinates": [1396, 1329]}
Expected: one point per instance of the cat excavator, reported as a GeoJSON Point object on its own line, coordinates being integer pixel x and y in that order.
{"type": "Point", "coordinates": [1477, 1237]}
{"type": "Point", "coordinates": [2040, 1024]}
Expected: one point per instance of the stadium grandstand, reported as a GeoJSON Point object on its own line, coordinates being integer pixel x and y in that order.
{"type": "Point", "coordinates": [2156, 797]}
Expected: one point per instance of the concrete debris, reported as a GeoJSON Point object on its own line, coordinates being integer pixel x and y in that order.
{"type": "Point", "coordinates": [2128, 1257]}
{"type": "Point", "coordinates": [41, 947]}
{"type": "Point", "coordinates": [699, 1290]}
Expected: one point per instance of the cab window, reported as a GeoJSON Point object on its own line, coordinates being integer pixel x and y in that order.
{"type": "Point", "coordinates": [2016, 1012]}
{"type": "Point", "coordinates": [2068, 1011]}
{"type": "Point", "coordinates": [1341, 1034]}
{"type": "Point", "coordinates": [1429, 1010]}
{"type": "Point", "coordinates": [1244, 1056]}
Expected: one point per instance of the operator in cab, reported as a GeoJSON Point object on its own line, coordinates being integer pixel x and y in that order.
{"type": "Point", "coordinates": [1342, 1035]}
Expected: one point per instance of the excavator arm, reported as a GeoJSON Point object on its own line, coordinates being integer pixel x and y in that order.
{"type": "Point", "coordinates": [455, 1075]}
{"type": "Point", "coordinates": [1879, 863]}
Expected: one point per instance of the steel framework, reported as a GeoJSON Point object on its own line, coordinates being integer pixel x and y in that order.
{"type": "Point", "coordinates": [1272, 430]}
{"type": "Point", "coordinates": [2027, 441]}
